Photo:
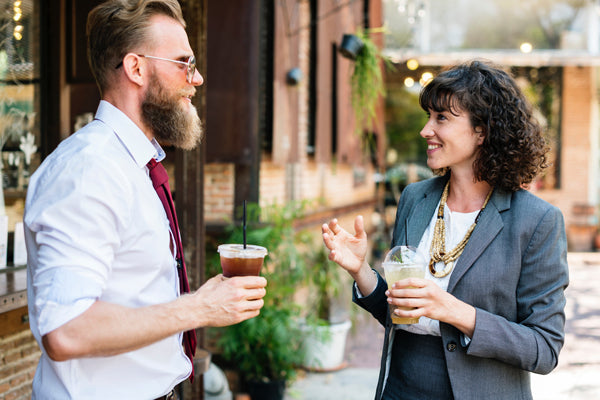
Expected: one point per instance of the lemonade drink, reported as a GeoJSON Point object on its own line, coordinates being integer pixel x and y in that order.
{"type": "Point", "coordinates": [403, 262]}
{"type": "Point", "coordinates": [395, 272]}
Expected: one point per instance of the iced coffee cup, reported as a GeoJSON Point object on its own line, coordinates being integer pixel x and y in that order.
{"type": "Point", "coordinates": [403, 262]}
{"type": "Point", "coordinates": [239, 261]}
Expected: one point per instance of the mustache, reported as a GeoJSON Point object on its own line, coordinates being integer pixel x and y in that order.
{"type": "Point", "coordinates": [188, 93]}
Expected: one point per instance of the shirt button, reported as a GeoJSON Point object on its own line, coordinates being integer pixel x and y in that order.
{"type": "Point", "coordinates": [451, 346]}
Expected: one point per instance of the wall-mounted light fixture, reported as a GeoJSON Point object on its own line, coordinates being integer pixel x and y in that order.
{"type": "Point", "coordinates": [294, 76]}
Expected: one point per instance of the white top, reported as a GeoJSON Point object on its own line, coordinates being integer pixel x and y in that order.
{"type": "Point", "coordinates": [457, 225]}
{"type": "Point", "coordinates": [96, 230]}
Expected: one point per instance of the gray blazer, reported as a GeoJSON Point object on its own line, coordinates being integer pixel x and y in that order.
{"type": "Point", "coordinates": [513, 271]}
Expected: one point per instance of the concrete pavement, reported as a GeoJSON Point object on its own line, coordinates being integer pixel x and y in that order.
{"type": "Point", "coordinates": [577, 376]}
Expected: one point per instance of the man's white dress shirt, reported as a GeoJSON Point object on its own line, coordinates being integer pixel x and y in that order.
{"type": "Point", "coordinates": [96, 230]}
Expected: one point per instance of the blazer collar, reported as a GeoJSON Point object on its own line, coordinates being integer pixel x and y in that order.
{"type": "Point", "coordinates": [420, 217]}
{"type": "Point", "coordinates": [489, 225]}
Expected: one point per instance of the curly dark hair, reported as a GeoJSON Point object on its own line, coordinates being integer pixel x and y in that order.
{"type": "Point", "coordinates": [514, 149]}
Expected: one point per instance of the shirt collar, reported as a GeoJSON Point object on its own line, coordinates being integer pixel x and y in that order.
{"type": "Point", "coordinates": [131, 136]}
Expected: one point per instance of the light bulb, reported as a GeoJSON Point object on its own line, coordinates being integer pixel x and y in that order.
{"type": "Point", "coordinates": [526, 47]}
{"type": "Point", "coordinates": [412, 64]}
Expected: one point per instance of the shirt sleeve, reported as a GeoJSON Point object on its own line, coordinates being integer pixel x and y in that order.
{"type": "Point", "coordinates": [74, 219]}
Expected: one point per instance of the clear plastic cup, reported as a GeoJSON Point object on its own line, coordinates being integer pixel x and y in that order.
{"type": "Point", "coordinates": [237, 261]}
{"type": "Point", "coordinates": [403, 262]}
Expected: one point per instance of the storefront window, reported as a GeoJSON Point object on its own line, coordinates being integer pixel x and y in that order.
{"type": "Point", "coordinates": [19, 93]}
{"type": "Point", "coordinates": [19, 117]}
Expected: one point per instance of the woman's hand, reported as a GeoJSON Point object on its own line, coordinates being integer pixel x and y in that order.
{"type": "Point", "coordinates": [350, 252]}
{"type": "Point", "coordinates": [347, 250]}
{"type": "Point", "coordinates": [428, 300]}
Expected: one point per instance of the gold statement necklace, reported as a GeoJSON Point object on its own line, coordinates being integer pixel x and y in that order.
{"type": "Point", "coordinates": [438, 244]}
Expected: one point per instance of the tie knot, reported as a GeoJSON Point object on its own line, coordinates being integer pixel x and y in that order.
{"type": "Point", "coordinates": [151, 164]}
{"type": "Point", "coordinates": [158, 173]}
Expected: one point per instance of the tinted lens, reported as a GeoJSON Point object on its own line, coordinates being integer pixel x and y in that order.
{"type": "Point", "coordinates": [191, 69]}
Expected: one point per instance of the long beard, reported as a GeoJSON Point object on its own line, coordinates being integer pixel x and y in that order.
{"type": "Point", "coordinates": [171, 123]}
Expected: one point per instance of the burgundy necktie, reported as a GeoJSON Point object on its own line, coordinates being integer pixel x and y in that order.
{"type": "Point", "coordinates": [160, 181]}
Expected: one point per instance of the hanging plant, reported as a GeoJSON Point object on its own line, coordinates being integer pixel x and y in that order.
{"type": "Point", "coordinates": [366, 82]}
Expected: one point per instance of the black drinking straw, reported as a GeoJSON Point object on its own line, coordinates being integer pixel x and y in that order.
{"type": "Point", "coordinates": [244, 223]}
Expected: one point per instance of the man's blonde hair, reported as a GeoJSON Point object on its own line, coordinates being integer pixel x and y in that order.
{"type": "Point", "coordinates": [116, 27]}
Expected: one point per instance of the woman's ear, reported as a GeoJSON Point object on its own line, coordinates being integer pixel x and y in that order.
{"type": "Point", "coordinates": [480, 132]}
{"type": "Point", "coordinates": [133, 66]}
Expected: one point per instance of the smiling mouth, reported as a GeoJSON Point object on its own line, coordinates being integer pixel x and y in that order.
{"type": "Point", "coordinates": [433, 146]}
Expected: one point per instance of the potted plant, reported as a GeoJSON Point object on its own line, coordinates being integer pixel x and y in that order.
{"type": "Point", "coordinates": [325, 331]}
{"type": "Point", "coordinates": [266, 350]}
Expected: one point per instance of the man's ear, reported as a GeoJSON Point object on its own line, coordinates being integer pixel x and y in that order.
{"type": "Point", "coordinates": [134, 68]}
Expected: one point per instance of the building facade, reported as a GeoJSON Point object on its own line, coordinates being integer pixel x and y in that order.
{"type": "Point", "coordinates": [275, 105]}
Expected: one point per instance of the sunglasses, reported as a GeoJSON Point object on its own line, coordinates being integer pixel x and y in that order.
{"type": "Point", "coordinates": [190, 65]}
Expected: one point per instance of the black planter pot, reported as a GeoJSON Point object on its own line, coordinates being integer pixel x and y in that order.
{"type": "Point", "coordinates": [272, 390]}
{"type": "Point", "coordinates": [351, 46]}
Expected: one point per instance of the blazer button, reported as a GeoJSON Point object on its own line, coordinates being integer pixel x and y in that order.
{"type": "Point", "coordinates": [451, 346]}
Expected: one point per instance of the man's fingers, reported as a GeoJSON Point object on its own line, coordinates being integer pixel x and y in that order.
{"type": "Point", "coordinates": [249, 282]}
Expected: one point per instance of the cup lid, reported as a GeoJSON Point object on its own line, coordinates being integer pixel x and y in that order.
{"type": "Point", "coordinates": [404, 255]}
{"type": "Point", "coordinates": [238, 251]}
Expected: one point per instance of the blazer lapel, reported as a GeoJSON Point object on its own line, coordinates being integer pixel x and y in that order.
{"type": "Point", "coordinates": [421, 215]}
{"type": "Point", "coordinates": [489, 225]}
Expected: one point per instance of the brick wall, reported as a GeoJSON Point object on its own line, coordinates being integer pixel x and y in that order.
{"type": "Point", "coordinates": [336, 184]}
{"type": "Point", "coordinates": [19, 355]}
{"type": "Point", "coordinates": [219, 187]}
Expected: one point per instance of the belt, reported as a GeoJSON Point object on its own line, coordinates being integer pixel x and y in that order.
{"type": "Point", "coordinates": [168, 396]}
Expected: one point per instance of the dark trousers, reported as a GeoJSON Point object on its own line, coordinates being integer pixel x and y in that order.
{"type": "Point", "coordinates": [417, 369]}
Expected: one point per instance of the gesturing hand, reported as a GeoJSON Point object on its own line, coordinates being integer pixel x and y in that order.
{"type": "Point", "coordinates": [347, 250]}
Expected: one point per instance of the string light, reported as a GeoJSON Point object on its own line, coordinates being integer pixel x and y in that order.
{"type": "Point", "coordinates": [18, 13]}
{"type": "Point", "coordinates": [425, 78]}
{"type": "Point", "coordinates": [526, 47]}
{"type": "Point", "coordinates": [413, 9]}
{"type": "Point", "coordinates": [412, 64]}
{"type": "Point", "coordinates": [18, 32]}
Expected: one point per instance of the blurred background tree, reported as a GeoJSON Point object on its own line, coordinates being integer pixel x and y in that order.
{"type": "Point", "coordinates": [404, 120]}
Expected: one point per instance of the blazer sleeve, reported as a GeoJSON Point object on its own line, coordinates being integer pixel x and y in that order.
{"type": "Point", "coordinates": [534, 341]}
{"type": "Point", "coordinates": [376, 302]}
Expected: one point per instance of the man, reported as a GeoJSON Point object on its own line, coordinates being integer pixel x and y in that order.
{"type": "Point", "coordinates": [103, 291]}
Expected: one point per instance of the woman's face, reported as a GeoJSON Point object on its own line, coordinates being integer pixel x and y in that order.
{"type": "Point", "coordinates": [451, 140]}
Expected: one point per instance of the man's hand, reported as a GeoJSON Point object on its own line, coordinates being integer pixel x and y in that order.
{"type": "Point", "coordinates": [107, 329]}
{"type": "Point", "coordinates": [226, 301]}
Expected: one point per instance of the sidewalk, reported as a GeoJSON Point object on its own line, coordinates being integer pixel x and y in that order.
{"type": "Point", "coordinates": [575, 378]}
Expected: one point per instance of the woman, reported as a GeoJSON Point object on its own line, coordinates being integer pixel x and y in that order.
{"type": "Point", "coordinates": [491, 306]}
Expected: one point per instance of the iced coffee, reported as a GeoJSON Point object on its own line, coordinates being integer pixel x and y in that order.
{"type": "Point", "coordinates": [239, 261]}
